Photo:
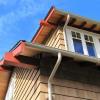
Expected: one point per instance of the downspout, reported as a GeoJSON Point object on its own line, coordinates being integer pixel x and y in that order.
{"type": "Point", "coordinates": [57, 63]}
{"type": "Point", "coordinates": [64, 30]}
{"type": "Point", "coordinates": [52, 76]}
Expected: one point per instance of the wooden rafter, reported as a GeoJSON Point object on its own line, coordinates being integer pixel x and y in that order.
{"type": "Point", "coordinates": [44, 23]}
{"type": "Point", "coordinates": [87, 29]}
{"type": "Point", "coordinates": [83, 24]}
{"type": "Point", "coordinates": [93, 26]}
{"type": "Point", "coordinates": [60, 20]}
{"type": "Point", "coordinates": [72, 21]}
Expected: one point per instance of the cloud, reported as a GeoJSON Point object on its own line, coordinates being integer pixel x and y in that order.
{"type": "Point", "coordinates": [25, 8]}
{"type": "Point", "coordinates": [10, 29]}
{"type": "Point", "coordinates": [3, 2]}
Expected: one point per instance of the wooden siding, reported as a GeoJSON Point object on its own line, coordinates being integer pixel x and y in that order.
{"type": "Point", "coordinates": [56, 39]}
{"type": "Point", "coordinates": [73, 81]}
{"type": "Point", "coordinates": [71, 90]}
{"type": "Point", "coordinates": [31, 84]}
{"type": "Point", "coordinates": [4, 78]}
{"type": "Point", "coordinates": [27, 81]}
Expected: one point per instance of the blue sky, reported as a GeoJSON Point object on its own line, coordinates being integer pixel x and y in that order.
{"type": "Point", "coordinates": [19, 19]}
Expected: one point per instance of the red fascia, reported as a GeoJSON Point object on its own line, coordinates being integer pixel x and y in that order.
{"type": "Point", "coordinates": [40, 30]}
{"type": "Point", "coordinates": [19, 49]}
{"type": "Point", "coordinates": [10, 60]}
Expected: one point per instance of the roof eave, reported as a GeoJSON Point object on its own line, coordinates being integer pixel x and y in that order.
{"type": "Point", "coordinates": [63, 13]}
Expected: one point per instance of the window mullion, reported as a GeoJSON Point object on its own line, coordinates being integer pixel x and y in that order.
{"type": "Point", "coordinates": [84, 44]}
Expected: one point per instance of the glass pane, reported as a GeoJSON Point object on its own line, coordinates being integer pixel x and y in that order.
{"type": "Point", "coordinates": [90, 48]}
{"type": "Point", "coordinates": [78, 46]}
{"type": "Point", "coordinates": [86, 37]}
{"type": "Point", "coordinates": [73, 34]}
{"type": "Point", "coordinates": [78, 35]}
{"type": "Point", "coordinates": [90, 38]}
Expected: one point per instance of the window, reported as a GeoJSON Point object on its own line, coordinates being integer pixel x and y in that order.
{"type": "Point", "coordinates": [90, 45]}
{"type": "Point", "coordinates": [82, 42]}
{"type": "Point", "coordinates": [77, 42]}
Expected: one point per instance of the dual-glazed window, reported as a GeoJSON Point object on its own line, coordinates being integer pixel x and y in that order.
{"type": "Point", "coordinates": [78, 46]}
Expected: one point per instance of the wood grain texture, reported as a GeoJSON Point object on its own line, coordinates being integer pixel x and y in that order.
{"type": "Point", "coordinates": [32, 85]}
{"type": "Point", "coordinates": [4, 78]}
{"type": "Point", "coordinates": [56, 39]}
{"type": "Point", "coordinates": [26, 83]}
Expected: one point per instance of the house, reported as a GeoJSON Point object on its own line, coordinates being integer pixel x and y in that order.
{"type": "Point", "coordinates": [60, 63]}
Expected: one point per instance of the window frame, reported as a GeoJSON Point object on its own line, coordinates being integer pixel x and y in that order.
{"type": "Point", "coordinates": [88, 41]}
{"type": "Point", "coordinates": [69, 40]}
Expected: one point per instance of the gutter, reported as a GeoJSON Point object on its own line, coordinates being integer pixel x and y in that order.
{"type": "Point", "coordinates": [16, 45]}
{"type": "Point", "coordinates": [76, 56]}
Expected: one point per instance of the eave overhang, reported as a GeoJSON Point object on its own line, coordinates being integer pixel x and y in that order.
{"type": "Point", "coordinates": [57, 17]}
{"type": "Point", "coordinates": [31, 50]}
{"type": "Point", "coordinates": [10, 58]}
{"type": "Point", "coordinates": [24, 55]}
{"type": "Point", "coordinates": [40, 36]}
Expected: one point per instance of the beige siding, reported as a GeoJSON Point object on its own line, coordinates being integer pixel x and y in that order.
{"type": "Point", "coordinates": [31, 85]}
{"type": "Point", "coordinates": [26, 83]}
{"type": "Point", "coordinates": [56, 39]}
{"type": "Point", "coordinates": [43, 96]}
{"type": "Point", "coordinates": [71, 90]}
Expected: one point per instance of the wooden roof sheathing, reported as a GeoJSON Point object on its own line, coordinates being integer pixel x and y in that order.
{"type": "Point", "coordinates": [58, 17]}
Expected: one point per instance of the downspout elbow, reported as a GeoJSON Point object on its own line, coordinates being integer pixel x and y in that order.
{"type": "Point", "coordinates": [52, 76]}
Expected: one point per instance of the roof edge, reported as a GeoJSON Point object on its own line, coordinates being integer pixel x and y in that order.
{"type": "Point", "coordinates": [44, 20]}
{"type": "Point", "coordinates": [62, 12]}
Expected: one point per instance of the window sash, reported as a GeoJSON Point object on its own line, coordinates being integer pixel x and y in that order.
{"type": "Point", "coordinates": [83, 46]}
{"type": "Point", "coordinates": [78, 46]}
{"type": "Point", "coordinates": [90, 49]}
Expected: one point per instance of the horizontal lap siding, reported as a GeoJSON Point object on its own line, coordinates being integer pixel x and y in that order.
{"type": "Point", "coordinates": [43, 96]}
{"type": "Point", "coordinates": [56, 40]}
{"type": "Point", "coordinates": [30, 85]}
{"type": "Point", "coordinates": [63, 89]}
